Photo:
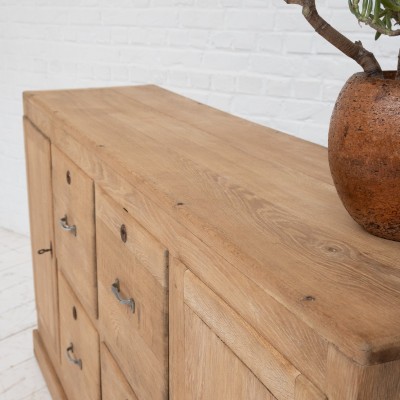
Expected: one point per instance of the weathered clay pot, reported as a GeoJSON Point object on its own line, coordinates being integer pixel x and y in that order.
{"type": "Point", "coordinates": [364, 152]}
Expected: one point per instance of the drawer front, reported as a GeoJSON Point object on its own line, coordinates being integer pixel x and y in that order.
{"type": "Point", "coordinates": [114, 385]}
{"type": "Point", "coordinates": [133, 304]}
{"type": "Point", "coordinates": [74, 228]}
{"type": "Point", "coordinates": [80, 363]}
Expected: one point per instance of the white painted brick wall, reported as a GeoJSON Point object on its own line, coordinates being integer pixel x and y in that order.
{"type": "Point", "coordinates": [255, 58]}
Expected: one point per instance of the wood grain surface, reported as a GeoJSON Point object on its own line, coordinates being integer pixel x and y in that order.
{"type": "Point", "coordinates": [77, 329]}
{"type": "Point", "coordinates": [261, 200]}
{"type": "Point", "coordinates": [52, 380]}
{"type": "Point", "coordinates": [177, 368]}
{"type": "Point", "coordinates": [139, 340]}
{"type": "Point", "coordinates": [76, 253]}
{"type": "Point", "coordinates": [306, 349]}
{"type": "Point", "coordinates": [305, 390]}
{"type": "Point", "coordinates": [114, 385]}
{"type": "Point", "coordinates": [38, 167]}
{"type": "Point", "coordinates": [212, 371]}
{"type": "Point", "coordinates": [267, 364]}
{"type": "Point", "coordinates": [350, 381]}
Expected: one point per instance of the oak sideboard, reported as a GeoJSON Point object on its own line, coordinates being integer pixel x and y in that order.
{"type": "Point", "coordinates": [182, 253]}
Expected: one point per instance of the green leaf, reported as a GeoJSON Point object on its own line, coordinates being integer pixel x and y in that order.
{"type": "Point", "coordinates": [393, 5]}
{"type": "Point", "coordinates": [377, 9]}
{"type": "Point", "coordinates": [370, 4]}
{"type": "Point", "coordinates": [364, 8]}
{"type": "Point", "coordinates": [377, 35]}
{"type": "Point", "coordinates": [351, 7]}
{"type": "Point", "coordinates": [388, 21]}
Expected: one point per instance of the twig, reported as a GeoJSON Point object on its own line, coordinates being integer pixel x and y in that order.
{"type": "Point", "coordinates": [356, 51]}
{"type": "Point", "coordinates": [380, 29]}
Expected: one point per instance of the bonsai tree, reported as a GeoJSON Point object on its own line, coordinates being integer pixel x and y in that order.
{"type": "Point", "coordinates": [381, 15]}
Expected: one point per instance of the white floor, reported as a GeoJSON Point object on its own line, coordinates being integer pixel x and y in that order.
{"type": "Point", "coordinates": [20, 377]}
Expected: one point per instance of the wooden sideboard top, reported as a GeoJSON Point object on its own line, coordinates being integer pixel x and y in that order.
{"type": "Point", "coordinates": [261, 199]}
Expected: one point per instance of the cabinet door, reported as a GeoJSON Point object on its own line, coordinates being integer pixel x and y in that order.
{"type": "Point", "coordinates": [202, 366]}
{"type": "Point", "coordinates": [213, 371]}
{"type": "Point", "coordinates": [38, 165]}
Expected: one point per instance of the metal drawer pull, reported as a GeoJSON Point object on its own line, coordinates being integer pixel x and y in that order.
{"type": "Point", "coordinates": [115, 289]}
{"type": "Point", "coordinates": [72, 359]}
{"type": "Point", "coordinates": [66, 227]}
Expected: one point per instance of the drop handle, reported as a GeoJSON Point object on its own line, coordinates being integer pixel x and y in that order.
{"type": "Point", "coordinates": [116, 290]}
{"type": "Point", "coordinates": [71, 358]}
{"type": "Point", "coordinates": [64, 225]}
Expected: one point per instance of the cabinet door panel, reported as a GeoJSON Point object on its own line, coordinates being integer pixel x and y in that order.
{"type": "Point", "coordinates": [212, 370]}
{"type": "Point", "coordinates": [38, 166]}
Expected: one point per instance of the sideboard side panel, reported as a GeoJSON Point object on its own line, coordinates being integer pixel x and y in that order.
{"type": "Point", "coordinates": [38, 165]}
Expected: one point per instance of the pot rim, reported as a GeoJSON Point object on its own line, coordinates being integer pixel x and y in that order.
{"type": "Point", "coordinates": [388, 75]}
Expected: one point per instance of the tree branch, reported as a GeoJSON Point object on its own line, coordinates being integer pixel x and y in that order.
{"type": "Point", "coordinates": [356, 51]}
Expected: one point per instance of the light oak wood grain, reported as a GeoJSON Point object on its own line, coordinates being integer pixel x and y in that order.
{"type": "Point", "coordinates": [212, 369]}
{"type": "Point", "coordinates": [38, 167]}
{"type": "Point", "coordinates": [305, 390]}
{"type": "Point", "coordinates": [77, 329]}
{"type": "Point", "coordinates": [141, 244]}
{"type": "Point", "coordinates": [275, 244]}
{"type": "Point", "coordinates": [350, 381]}
{"type": "Point", "coordinates": [273, 271]}
{"type": "Point", "coordinates": [141, 266]}
{"type": "Point", "coordinates": [274, 371]}
{"type": "Point", "coordinates": [177, 369]}
{"type": "Point", "coordinates": [294, 339]}
{"type": "Point", "coordinates": [76, 254]}
{"type": "Point", "coordinates": [263, 143]}
{"type": "Point", "coordinates": [52, 380]}
{"type": "Point", "coordinates": [114, 385]}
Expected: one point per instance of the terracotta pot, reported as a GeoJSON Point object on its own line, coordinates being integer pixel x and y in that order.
{"type": "Point", "coordinates": [364, 152]}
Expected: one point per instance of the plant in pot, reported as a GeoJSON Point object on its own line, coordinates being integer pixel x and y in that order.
{"type": "Point", "coordinates": [364, 133]}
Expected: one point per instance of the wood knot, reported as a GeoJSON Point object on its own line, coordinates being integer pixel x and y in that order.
{"type": "Point", "coordinates": [308, 298]}
{"type": "Point", "coordinates": [332, 249]}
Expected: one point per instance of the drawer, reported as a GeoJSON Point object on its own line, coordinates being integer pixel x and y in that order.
{"type": "Point", "coordinates": [114, 385]}
{"type": "Point", "coordinates": [133, 302]}
{"type": "Point", "coordinates": [80, 364]}
{"type": "Point", "coordinates": [73, 193]}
